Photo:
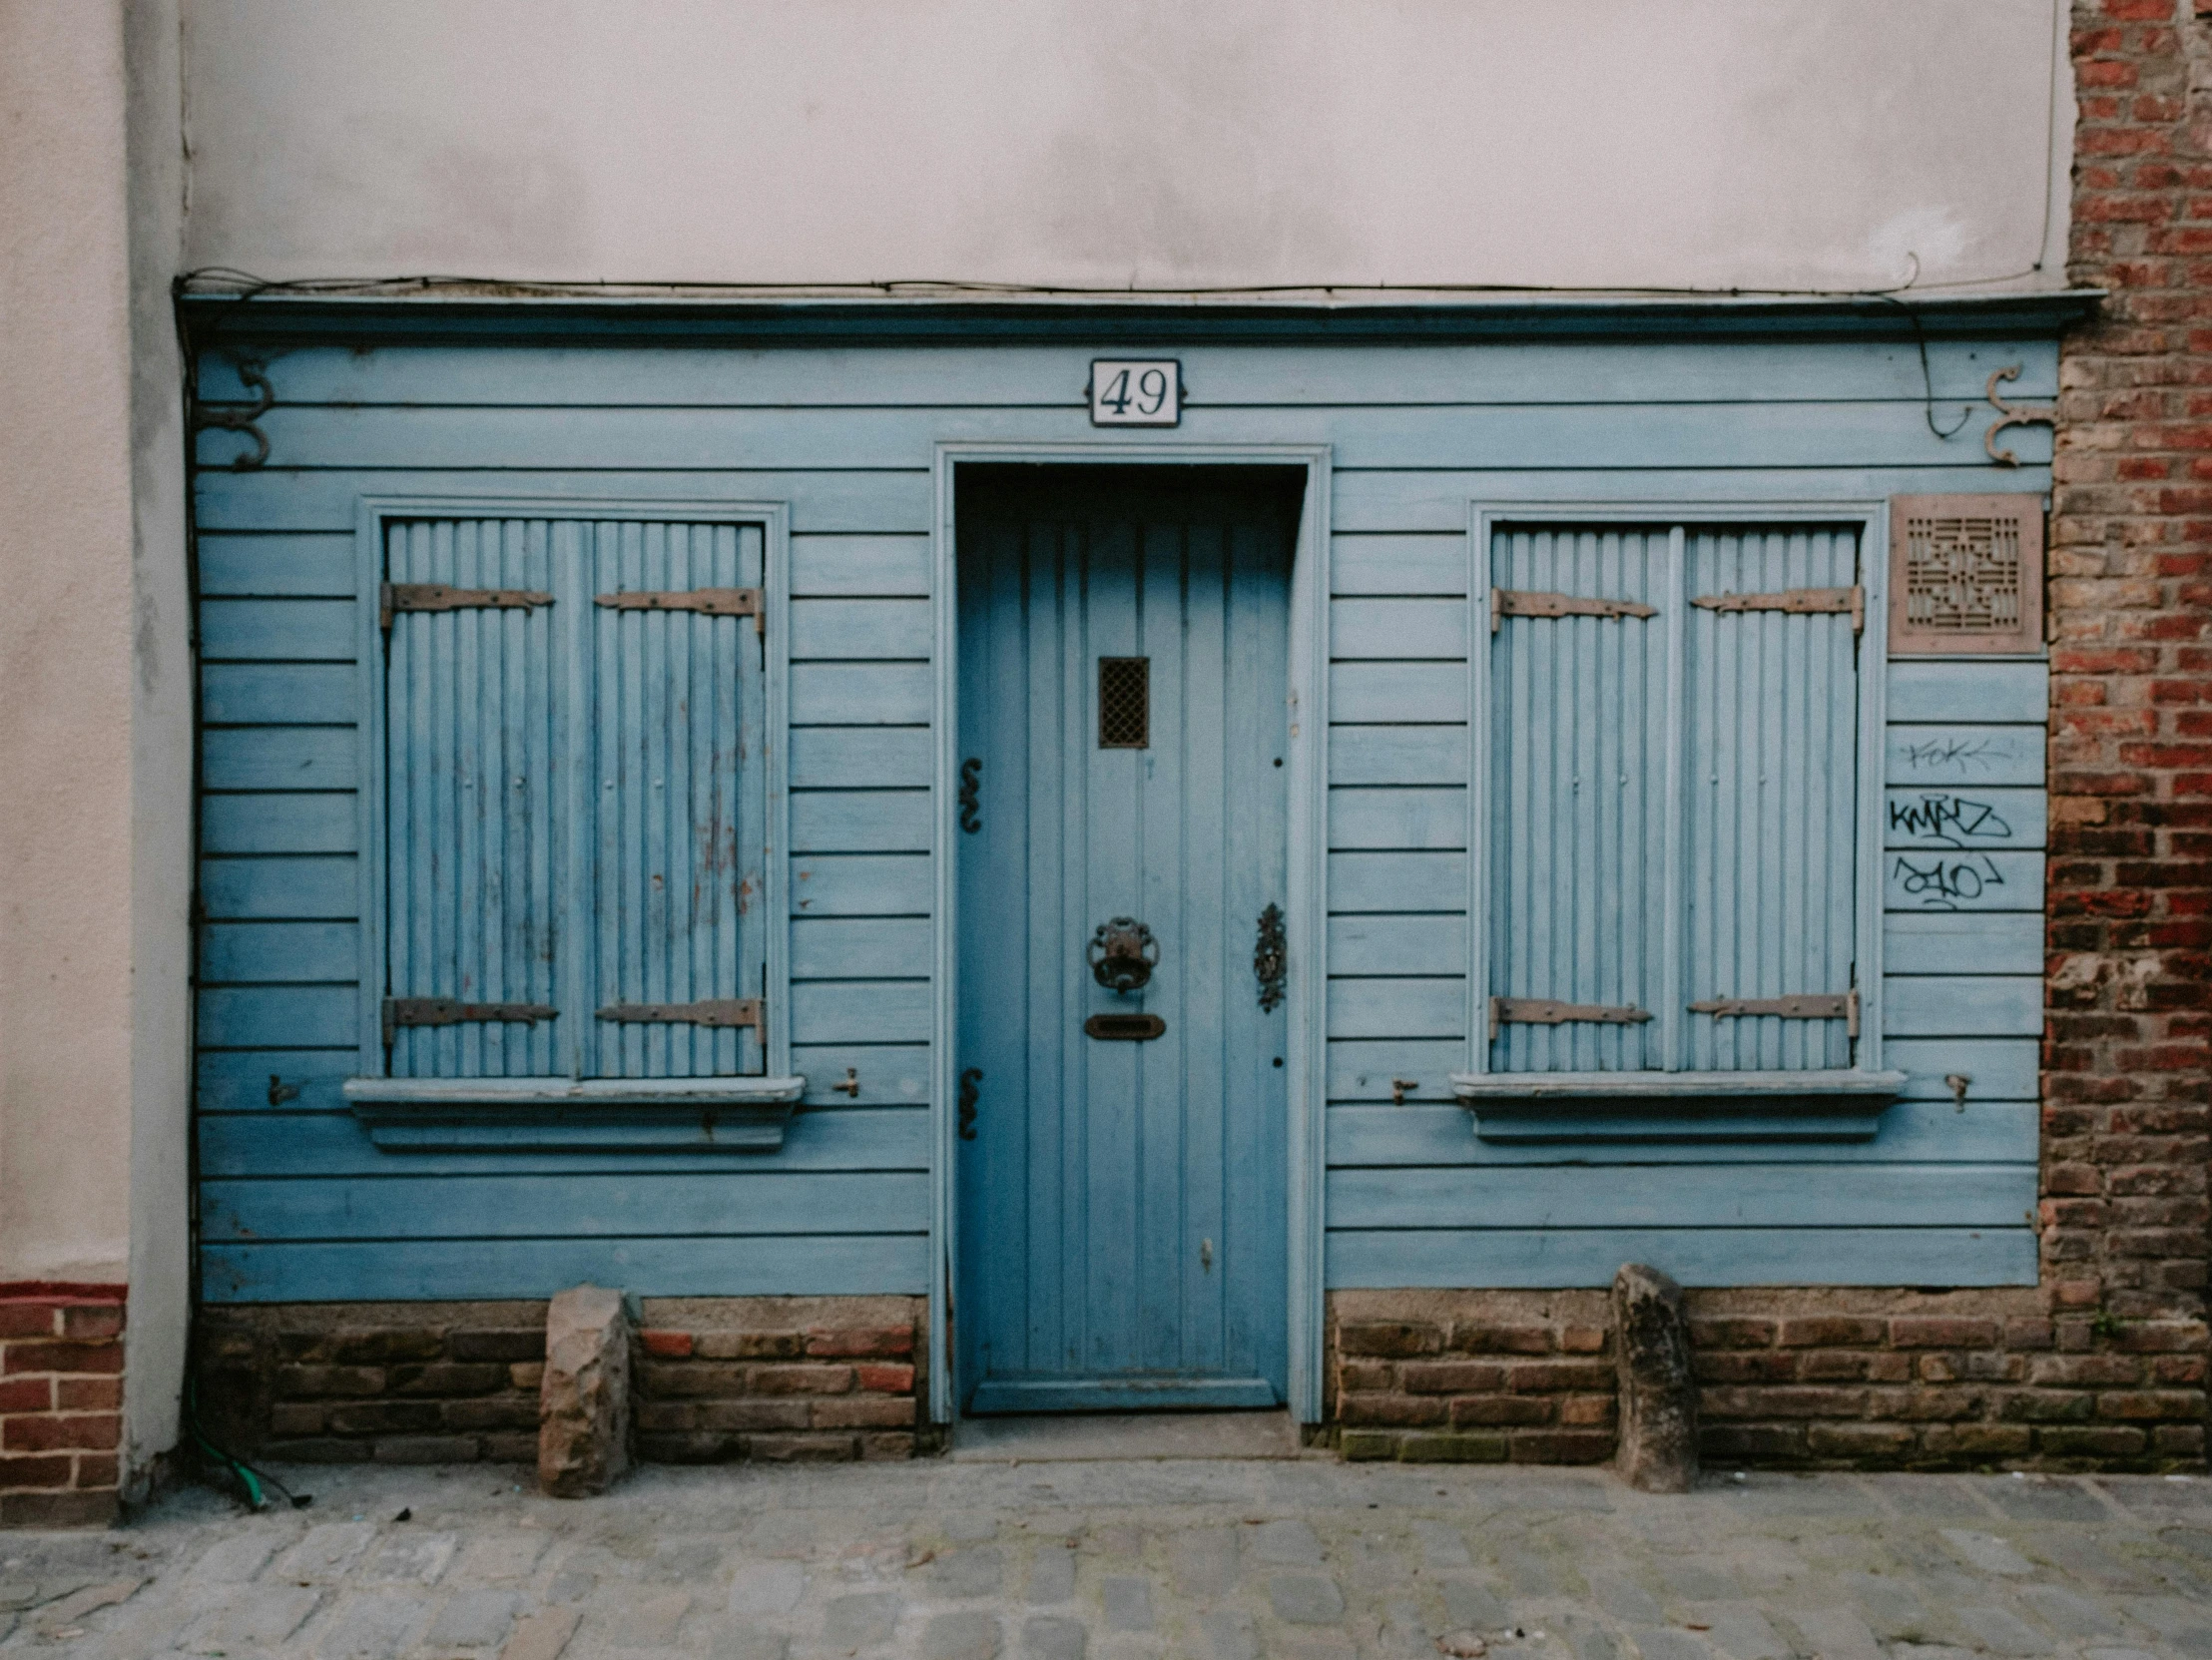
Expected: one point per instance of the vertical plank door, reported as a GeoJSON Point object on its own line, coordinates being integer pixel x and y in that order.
{"type": "Point", "coordinates": [1122, 1219]}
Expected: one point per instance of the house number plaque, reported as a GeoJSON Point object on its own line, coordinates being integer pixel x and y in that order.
{"type": "Point", "coordinates": [1128, 392]}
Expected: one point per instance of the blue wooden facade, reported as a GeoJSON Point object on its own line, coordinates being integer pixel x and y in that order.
{"type": "Point", "coordinates": [1444, 453]}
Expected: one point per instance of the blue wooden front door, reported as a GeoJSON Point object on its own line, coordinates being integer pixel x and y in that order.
{"type": "Point", "coordinates": [1124, 670]}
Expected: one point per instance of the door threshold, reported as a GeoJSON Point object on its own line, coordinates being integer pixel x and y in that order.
{"type": "Point", "coordinates": [1070, 1438]}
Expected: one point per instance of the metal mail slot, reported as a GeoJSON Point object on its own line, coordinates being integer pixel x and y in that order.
{"type": "Point", "coordinates": [1129, 1028]}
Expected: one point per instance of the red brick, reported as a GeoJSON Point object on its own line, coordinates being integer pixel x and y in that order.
{"type": "Point", "coordinates": [27, 1394]}
{"type": "Point", "coordinates": [1830, 1332]}
{"type": "Point", "coordinates": [864, 1411]}
{"type": "Point", "coordinates": [2152, 1403]}
{"type": "Point", "coordinates": [43, 1471]}
{"type": "Point", "coordinates": [1942, 1331]}
{"type": "Point", "coordinates": [1450, 1376]}
{"type": "Point", "coordinates": [1390, 1409]}
{"type": "Point", "coordinates": [101, 1469]}
{"type": "Point", "coordinates": [97, 1320]}
{"type": "Point", "coordinates": [670, 1346]}
{"type": "Point", "coordinates": [1552, 1377]}
{"type": "Point", "coordinates": [1389, 1339]}
{"type": "Point", "coordinates": [1732, 1333]}
{"type": "Point", "coordinates": [82, 1394]}
{"type": "Point", "coordinates": [1484, 1338]}
{"type": "Point", "coordinates": [885, 1380]}
{"type": "Point", "coordinates": [1502, 1408]}
{"type": "Point", "coordinates": [61, 1357]}
{"type": "Point", "coordinates": [29, 1319]}
{"type": "Point", "coordinates": [53, 1432]}
{"type": "Point", "coordinates": [1365, 1375]}
{"type": "Point", "coordinates": [802, 1380]}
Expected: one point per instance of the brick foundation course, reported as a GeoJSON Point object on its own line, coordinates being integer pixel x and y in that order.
{"type": "Point", "coordinates": [61, 1404]}
{"type": "Point", "coordinates": [715, 1379]}
{"type": "Point", "coordinates": [780, 1377]}
{"type": "Point", "coordinates": [1820, 1378]}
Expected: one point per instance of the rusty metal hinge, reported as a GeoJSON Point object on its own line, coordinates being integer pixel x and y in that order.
{"type": "Point", "coordinates": [709, 1012]}
{"type": "Point", "coordinates": [1834, 1005]}
{"type": "Point", "coordinates": [1542, 1011]}
{"type": "Point", "coordinates": [1798, 602]}
{"type": "Point", "coordinates": [437, 596]}
{"type": "Point", "coordinates": [1531, 602]}
{"type": "Point", "coordinates": [708, 602]}
{"type": "Point", "coordinates": [451, 1011]}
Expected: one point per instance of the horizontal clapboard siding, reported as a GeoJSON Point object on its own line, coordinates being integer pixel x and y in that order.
{"type": "Point", "coordinates": [301, 1206]}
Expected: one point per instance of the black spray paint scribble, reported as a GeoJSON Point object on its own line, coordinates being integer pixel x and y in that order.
{"type": "Point", "coordinates": [1954, 821]}
{"type": "Point", "coordinates": [1945, 885]}
{"type": "Point", "coordinates": [1964, 754]}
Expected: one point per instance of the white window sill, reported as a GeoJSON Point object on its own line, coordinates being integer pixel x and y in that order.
{"type": "Point", "coordinates": [1838, 1105]}
{"type": "Point", "coordinates": [448, 1115]}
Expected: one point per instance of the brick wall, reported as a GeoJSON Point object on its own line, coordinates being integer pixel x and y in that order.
{"type": "Point", "coordinates": [716, 1379]}
{"type": "Point", "coordinates": [61, 1404]}
{"type": "Point", "coordinates": [2129, 988]}
{"type": "Point", "coordinates": [1806, 1377]}
{"type": "Point", "coordinates": [780, 1377]}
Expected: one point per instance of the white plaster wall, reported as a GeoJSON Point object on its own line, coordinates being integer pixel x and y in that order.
{"type": "Point", "coordinates": [95, 707]}
{"type": "Point", "coordinates": [65, 646]}
{"type": "Point", "coordinates": [1154, 143]}
{"type": "Point", "coordinates": [160, 748]}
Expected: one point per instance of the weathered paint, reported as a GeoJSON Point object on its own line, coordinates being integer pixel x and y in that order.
{"type": "Point", "coordinates": [845, 436]}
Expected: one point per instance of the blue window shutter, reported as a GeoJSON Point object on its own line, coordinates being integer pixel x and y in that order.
{"type": "Point", "coordinates": [1771, 703]}
{"type": "Point", "coordinates": [674, 734]}
{"type": "Point", "coordinates": [575, 802]}
{"type": "Point", "coordinates": [474, 800]}
{"type": "Point", "coordinates": [1578, 748]}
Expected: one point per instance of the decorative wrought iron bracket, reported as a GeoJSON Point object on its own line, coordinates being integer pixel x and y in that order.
{"type": "Point", "coordinates": [205, 415]}
{"type": "Point", "coordinates": [1271, 958]}
{"type": "Point", "coordinates": [2013, 414]}
{"type": "Point", "coordinates": [971, 803]}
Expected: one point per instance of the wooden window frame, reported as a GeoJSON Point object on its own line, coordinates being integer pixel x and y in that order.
{"type": "Point", "coordinates": [1866, 1077]}
{"type": "Point", "coordinates": [373, 516]}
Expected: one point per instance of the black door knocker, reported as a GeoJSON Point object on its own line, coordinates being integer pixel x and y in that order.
{"type": "Point", "coordinates": [1123, 955]}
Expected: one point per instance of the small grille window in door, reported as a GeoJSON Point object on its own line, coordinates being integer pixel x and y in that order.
{"type": "Point", "coordinates": [1123, 703]}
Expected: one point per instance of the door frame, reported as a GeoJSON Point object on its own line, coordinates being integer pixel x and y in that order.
{"type": "Point", "coordinates": [1307, 1062]}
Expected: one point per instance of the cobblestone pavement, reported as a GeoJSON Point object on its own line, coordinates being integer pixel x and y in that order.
{"type": "Point", "coordinates": [1213, 1560]}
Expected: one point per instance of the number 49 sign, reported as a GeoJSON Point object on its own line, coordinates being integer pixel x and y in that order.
{"type": "Point", "coordinates": [1125, 393]}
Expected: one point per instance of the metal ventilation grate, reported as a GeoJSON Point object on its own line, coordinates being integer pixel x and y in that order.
{"type": "Point", "coordinates": [1967, 574]}
{"type": "Point", "coordinates": [1123, 703]}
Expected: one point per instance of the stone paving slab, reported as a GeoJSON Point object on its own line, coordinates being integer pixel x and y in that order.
{"type": "Point", "coordinates": [1164, 1560]}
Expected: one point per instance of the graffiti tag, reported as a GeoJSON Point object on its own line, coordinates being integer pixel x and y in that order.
{"type": "Point", "coordinates": [1954, 821]}
{"type": "Point", "coordinates": [1945, 885]}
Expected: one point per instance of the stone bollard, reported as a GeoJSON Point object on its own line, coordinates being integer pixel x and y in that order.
{"type": "Point", "coordinates": [1658, 1394]}
{"type": "Point", "coordinates": [584, 1402]}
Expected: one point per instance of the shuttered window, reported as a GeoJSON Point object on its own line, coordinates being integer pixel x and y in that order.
{"type": "Point", "coordinates": [573, 801]}
{"type": "Point", "coordinates": [1669, 770]}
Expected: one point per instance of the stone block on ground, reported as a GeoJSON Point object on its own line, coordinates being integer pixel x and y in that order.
{"type": "Point", "coordinates": [584, 1398]}
{"type": "Point", "coordinates": [1658, 1395]}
